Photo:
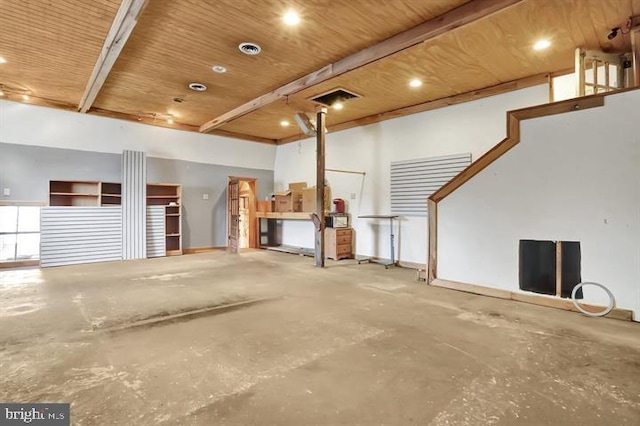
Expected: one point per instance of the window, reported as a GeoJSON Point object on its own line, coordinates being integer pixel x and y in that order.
{"type": "Point", "coordinates": [19, 233]}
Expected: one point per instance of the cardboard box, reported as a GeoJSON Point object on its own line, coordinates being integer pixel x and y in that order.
{"type": "Point", "coordinates": [296, 189]}
{"type": "Point", "coordinates": [284, 202]}
{"type": "Point", "coordinates": [297, 186]}
{"type": "Point", "coordinates": [265, 206]}
{"type": "Point", "coordinates": [309, 199]}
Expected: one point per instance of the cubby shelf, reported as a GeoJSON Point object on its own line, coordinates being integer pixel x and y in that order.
{"type": "Point", "coordinates": [84, 193]}
{"type": "Point", "coordinates": [168, 195]}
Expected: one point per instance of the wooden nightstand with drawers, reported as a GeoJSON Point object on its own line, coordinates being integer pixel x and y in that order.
{"type": "Point", "coordinates": [338, 243]}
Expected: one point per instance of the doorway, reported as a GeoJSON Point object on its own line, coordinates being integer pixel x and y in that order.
{"type": "Point", "coordinates": [241, 213]}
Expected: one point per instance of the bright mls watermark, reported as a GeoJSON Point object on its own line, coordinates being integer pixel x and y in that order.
{"type": "Point", "coordinates": [36, 414]}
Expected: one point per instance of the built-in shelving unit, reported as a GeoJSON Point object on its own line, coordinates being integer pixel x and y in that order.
{"type": "Point", "coordinates": [84, 225]}
{"type": "Point", "coordinates": [84, 193]}
{"type": "Point", "coordinates": [170, 196]}
{"type": "Point", "coordinates": [74, 193]}
{"type": "Point", "coordinates": [97, 194]}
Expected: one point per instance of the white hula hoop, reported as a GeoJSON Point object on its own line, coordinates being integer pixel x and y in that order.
{"type": "Point", "coordinates": [612, 300]}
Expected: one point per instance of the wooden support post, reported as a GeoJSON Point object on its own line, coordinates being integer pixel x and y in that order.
{"type": "Point", "coordinates": [595, 65]}
{"type": "Point", "coordinates": [635, 52]}
{"type": "Point", "coordinates": [321, 113]}
{"type": "Point", "coordinates": [559, 268]}
{"type": "Point", "coordinates": [432, 260]}
{"type": "Point", "coordinates": [580, 72]}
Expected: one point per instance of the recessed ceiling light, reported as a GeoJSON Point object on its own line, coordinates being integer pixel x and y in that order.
{"type": "Point", "coordinates": [197, 87]}
{"type": "Point", "coordinates": [219, 69]}
{"type": "Point", "coordinates": [291, 18]}
{"type": "Point", "coordinates": [542, 44]}
{"type": "Point", "coordinates": [249, 48]}
{"type": "Point", "coordinates": [284, 123]}
{"type": "Point", "coordinates": [25, 97]}
{"type": "Point", "coordinates": [2, 60]}
{"type": "Point", "coordinates": [415, 83]}
{"type": "Point", "coordinates": [337, 105]}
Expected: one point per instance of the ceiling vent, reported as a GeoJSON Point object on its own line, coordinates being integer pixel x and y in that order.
{"type": "Point", "coordinates": [249, 48]}
{"type": "Point", "coordinates": [333, 96]}
{"type": "Point", "coordinates": [197, 87]}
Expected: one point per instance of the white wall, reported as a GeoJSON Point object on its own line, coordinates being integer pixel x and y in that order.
{"type": "Point", "coordinates": [33, 125]}
{"type": "Point", "coordinates": [573, 177]}
{"type": "Point", "coordinates": [564, 87]}
{"type": "Point", "coordinates": [471, 127]}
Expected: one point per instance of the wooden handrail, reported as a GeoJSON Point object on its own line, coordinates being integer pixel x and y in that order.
{"type": "Point", "coordinates": [513, 137]}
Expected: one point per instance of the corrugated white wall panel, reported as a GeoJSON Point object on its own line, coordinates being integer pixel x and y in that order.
{"type": "Point", "coordinates": [156, 226]}
{"type": "Point", "coordinates": [71, 235]}
{"type": "Point", "coordinates": [413, 181]}
{"type": "Point", "coordinates": [134, 200]}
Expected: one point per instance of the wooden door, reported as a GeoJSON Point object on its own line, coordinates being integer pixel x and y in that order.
{"type": "Point", "coordinates": [244, 221]}
{"type": "Point", "coordinates": [233, 214]}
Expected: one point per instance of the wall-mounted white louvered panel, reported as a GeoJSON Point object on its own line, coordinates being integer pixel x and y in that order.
{"type": "Point", "coordinates": [134, 201]}
{"type": "Point", "coordinates": [70, 235]}
{"type": "Point", "coordinates": [413, 181]}
{"type": "Point", "coordinates": [156, 242]}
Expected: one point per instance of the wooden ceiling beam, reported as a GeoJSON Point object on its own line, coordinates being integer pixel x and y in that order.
{"type": "Point", "coordinates": [473, 95]}
{"type": "Point", "coordinates": [455, 18]}
{"type": "Point", "coordinates": [122, 27]}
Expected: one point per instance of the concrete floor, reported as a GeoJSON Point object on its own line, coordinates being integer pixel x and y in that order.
{"type": "Point", "coordinates": [143, 343]}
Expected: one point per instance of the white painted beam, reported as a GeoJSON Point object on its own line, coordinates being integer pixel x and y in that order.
{"type": "Point", "coordinates": [122, 27]}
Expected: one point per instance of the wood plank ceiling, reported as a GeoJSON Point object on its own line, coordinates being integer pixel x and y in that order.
{"type": "Point", "coordinates": [495, 50]}
{"type": "Point", "coordinates": [51, 48]}
{"type": "Point", "coordinates": [178, 42]}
